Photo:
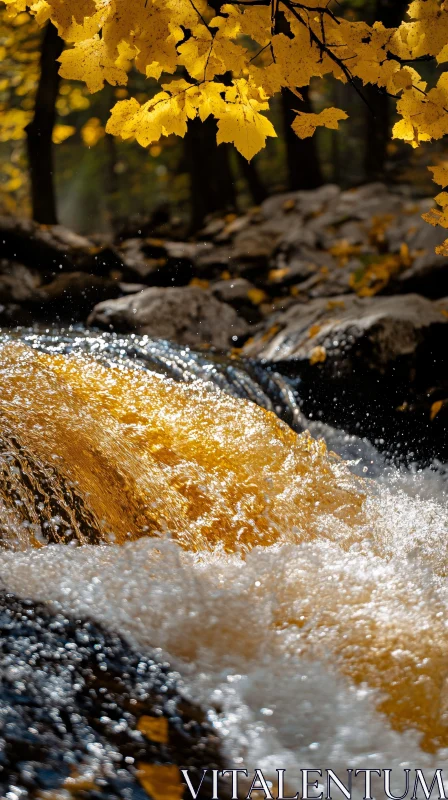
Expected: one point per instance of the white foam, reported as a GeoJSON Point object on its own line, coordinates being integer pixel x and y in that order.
{"type": "Point", "coordinates": [216, 617]}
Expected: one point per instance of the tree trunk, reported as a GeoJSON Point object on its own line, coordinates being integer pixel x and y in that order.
{"type": "Point", "coordinates": [254, 183]}
{"type": "Point", "coordinates": [211, 182]}
{"type": "Point", "coordinates": [377, 135]}
{"type": "Point", "coordinates": [40, 130]}
{"type": "Point", "coordinates": [301, 154]}
{"type": "Point", "coordinates": [111, 181]}
{"type": "Point", "coordinates": [378, 119]}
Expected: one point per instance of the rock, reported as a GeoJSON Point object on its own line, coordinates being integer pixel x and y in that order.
{"type": "Point", "coordinates": [428, 273]}
{"type": "Point", "coordinates": [307, 203]}
{"type": "Point", "coordinates": [132, 288]}
{"type": "Point", "coordinates": [104, 260]}
{"type": "Point", "coordinates": [186, 315]}
{"type": "Point", "coordinates": [212, 260]}
{"type": "Point", "coordinates": [388, 327]}
{"type": "Point", "coordinates": [74, 702]}
{"type": "Point", "coordinates": [212, 228]}
{"type": "Point", "coordinates": [18, 284]}
{"type": "Point", "coordinates": [242, 295]}
{"type": "Point", "coordinates": [258, 242]}
{"type": "Point", "coordinates": [13, 315]}
{"type": "Point", "coordinates": [41, 247]}
{"type": "Point", "coordinates": [134, 263]}
{"type": "Point", "coordinates": [372, 366]}
{"type": "Point", "coordinates": [158, 263]}
{"type": "Point", "coordinates": [428, 276]}
{"type": "Point", "coordinates": [409, 227]}
{"type": "Point", "coordinates": [233, 291]}
{"type": "Point", "coordinates": [72, 295]}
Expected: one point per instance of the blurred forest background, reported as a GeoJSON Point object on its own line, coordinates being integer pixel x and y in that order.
{"type": "Point", "coordinates": [58, 164]}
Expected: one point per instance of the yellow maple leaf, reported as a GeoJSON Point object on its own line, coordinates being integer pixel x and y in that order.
{"type": "Point", "coordinates": [305, 125]}
{"type": "Point", "coordinates": [163, 115]}
{"type": "Point", "coordinates": [318, 355]}
{"type": "Point", "coordinates": [257, 296]}
{"type": "Point", "coordinates": [13, 123]}
{"type": "Point", "coordinates": [442, 250]}
{"type": "Point", "coordinates": [202, 283]}
{"type": "Point", "coordinates": [335, 304]}
{"type": "Point", "coordinates": [440, 173]}
{"type": "Point", "coordinates": [92, 132]}
{"type": "Point", "coordinates": [435, 408]}
{"type": "Point", "coordinates": [205, 56]}
{"type": "Point", "coordinates": [62, 132]}
{"type": "Point", "coordinates": [89, 61]}
{"type": "Point", "coordinates": [314, 330]}
{"type": "Point", "coordinates": [436, 217]}
{"type": "Point", "coordinates": [160, 781]}
{"type": "Point", "coordinates": [154, 728]}
{"type": "Point", "coordinates": [241, 121]}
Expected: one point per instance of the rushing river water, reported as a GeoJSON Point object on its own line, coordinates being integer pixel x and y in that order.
{"type": "Point", "coordinates": [305, 604]}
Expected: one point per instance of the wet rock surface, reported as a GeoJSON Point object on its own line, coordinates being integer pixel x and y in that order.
{"type": "Point", "coordinates": [376, 366]}
{"type": "Point", "coordinates": [78, 708]}
{"type": "Point", "coordinates": [375, 331]}
{"type": "Point", "coordinates": [188, 316]}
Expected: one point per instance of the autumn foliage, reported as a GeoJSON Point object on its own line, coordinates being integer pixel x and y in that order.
{"type": "Point", "coordinates": [227, 60]}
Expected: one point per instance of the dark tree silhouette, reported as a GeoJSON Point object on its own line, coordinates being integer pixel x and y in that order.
{"type": "Point", "coordinates": [254, 183]}
{"type": "Point", "coordinates": [212, 186]}
{"type": "Point", "coordinates": [301, 154]}
{"type": "Point", "coordinates": [378, 118]}
{"type": "Point", "coordinates": [40, 130]}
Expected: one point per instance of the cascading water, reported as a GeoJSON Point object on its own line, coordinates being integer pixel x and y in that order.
{"type": "Point", "coordinates": [307, 606]}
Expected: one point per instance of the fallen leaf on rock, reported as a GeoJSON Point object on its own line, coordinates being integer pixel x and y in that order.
{"type": "Point", "coordinates": [161, 781]}
{"type": "Point", "coordinates": [289, 205]}
{"type": "Point", "coordinates": [435, 408]}
{"type": "Point", "coordinates": [270, 333]}
{"type": "Point", "coordinates": [367, 282]}
{"type": "Point", "coordinates": [314, 330]}
{"type": "Point", "coordinates": [379, 226]}
{"type": "Point", "coordinates": [257, 296]}
{"type": "Point", "coordinates": [318, 355]}
{"type": "Point", "coordinates": [405, 256]}
{"type": "Point", "coordinates": [201, 282]}
{"type": "Point", "coordinates": [278, 274]}
{"type": "Point", "coordinates": [154, 728]}
{"type": "Point", "coordinates": [342, 250]}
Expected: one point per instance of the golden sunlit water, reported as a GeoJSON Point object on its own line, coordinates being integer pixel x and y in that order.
{"type": "Point", "coordinates": [307, 604]}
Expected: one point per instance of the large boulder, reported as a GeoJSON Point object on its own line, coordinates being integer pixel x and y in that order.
{"type": "Point", "coordinates": [377, 330]}
{"type": "Point", "coordinates": [242, 295]}
{"type": "Point", "coordinates": [18, 284]}
{"type": "Point", "coordinates": [72, 295]}
{"type": "Point", "coordinates": [18, 289]}
{"type": "Point", "coordinates": [43, 247]}
{"type": "Point", "coordinates": [157, 262]}
{"type": "Point", "coordinates": [84, 715]}
{"type": "Point", "coordinates": [187, 315]}
{"type": "Point", "coordinates": [376, 366]}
